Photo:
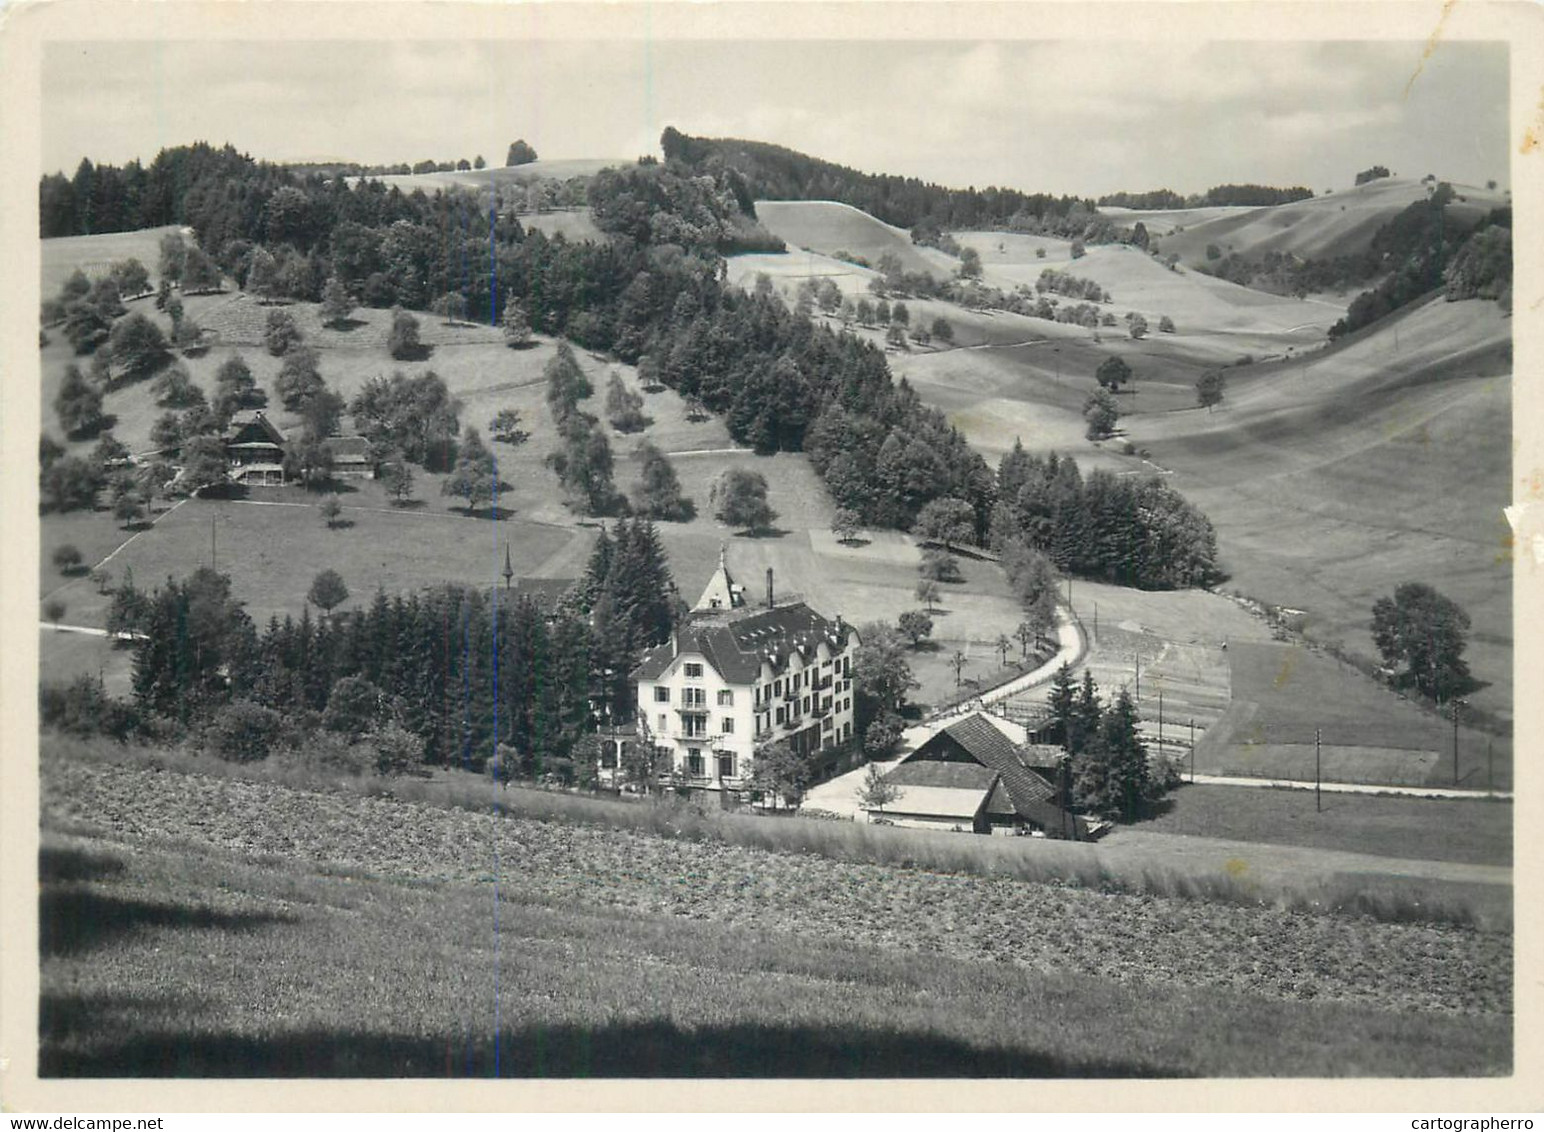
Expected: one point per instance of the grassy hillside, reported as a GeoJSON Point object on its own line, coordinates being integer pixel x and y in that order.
{"type": "Point", "coordinates": [1342, 223]}
{"type": "Point", "coordinates": [95, 254]}
{"type": "Point", "coordinates": [260, 929]}
{"type": "Point", "coordinates": [1335, 477]}
{"type": "Point", "coordinates": [829, 227]}
{"type": "Point", "coordinates": [274, 541]}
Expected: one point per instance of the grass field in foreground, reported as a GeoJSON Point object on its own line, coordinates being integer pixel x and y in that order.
{"type": "Point", "coordinates": [1474, 832]}
{"type": "Point", "coordinates": [221, 967]}
{"type": "Point", "coordinates": [259, 929]}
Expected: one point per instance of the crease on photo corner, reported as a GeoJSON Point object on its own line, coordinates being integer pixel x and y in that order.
{"type": "Point", "coordinates": [1431, 43]}
{"type": "Point", "coordinates": [1527, 522]}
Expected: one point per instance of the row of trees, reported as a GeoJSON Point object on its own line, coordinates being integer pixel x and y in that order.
{"type": "Point", "coordinates": [772, 172]}
{"type": "Point", "coordinates": [1109, 770]}
{"type": "Point", "coordinates": [1129, 530]}
{"type": "Point", "coordinates": [1256, 196]}
{"type": "Point", "coordinates": [463, 671]}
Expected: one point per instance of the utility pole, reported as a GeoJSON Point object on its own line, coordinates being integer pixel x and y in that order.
{"type": "Point", "coordinates": [1139, 673]}
{"type": "Point", "coordinates": [214, 558]}
{"type": "Point", "coordinates": [1160, 721]}
{"type": "Point", "coordinates": [1096, 620]}
{"type": "Point", "coordinates": [1457, 704]}
{"type": "Point", "coordinates": [1192, 752]}
{"type": "Point", "coordinates": [1317, 806]}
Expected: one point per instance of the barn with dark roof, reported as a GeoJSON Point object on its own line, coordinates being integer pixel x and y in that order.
{"type": "Point", "coordinates": [977, 775]}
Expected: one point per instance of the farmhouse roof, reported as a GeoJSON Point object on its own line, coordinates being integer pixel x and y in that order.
{"type": "Point", "coordinates": [980, 738]}
{"type": "Point", "coordinates": [348, 449]}
{"type": "Point", "coordinates": [547, 593]}
{"type": "Point", "coordinates": [936, 802]}
{"type": "Point", "coordinates": [251, 426]}
{"type": "Point", "coordinates": [736, 647]}
{"type": "Point", "coordinates": [927, 772]}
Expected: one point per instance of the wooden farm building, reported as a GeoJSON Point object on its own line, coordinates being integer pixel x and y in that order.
{"type": "Point", "coordinates": [981, 775]}
{"type": "Point", "coordinates": [254, 449]}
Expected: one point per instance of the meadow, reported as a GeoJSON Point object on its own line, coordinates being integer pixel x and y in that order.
{"type": "Point", "coordinates": [273, 541]}
{"type": "Point", "coordinates": [1332, 473]}
{"type": "Point", "coordinates": [1331, 480]}
{"type": "Point", "coordinates": [242, 914]}
{"type": "Point", "coordinates": [1473, 832]}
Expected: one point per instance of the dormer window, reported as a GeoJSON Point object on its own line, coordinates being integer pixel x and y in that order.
{"type": "Point", "coordinates": [693, 671]}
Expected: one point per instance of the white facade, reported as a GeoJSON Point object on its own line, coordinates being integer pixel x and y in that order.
{"type": "Point", "coordinates": [711, 725]}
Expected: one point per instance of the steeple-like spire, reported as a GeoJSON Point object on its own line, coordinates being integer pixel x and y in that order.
{"type": "Point", "coordinates": [720, 592]}
{"type": "Point", "coordinates": [509, 571]}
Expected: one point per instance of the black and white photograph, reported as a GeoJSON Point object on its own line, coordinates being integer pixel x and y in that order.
{"type": "Point", "coordinates": [838, 543]}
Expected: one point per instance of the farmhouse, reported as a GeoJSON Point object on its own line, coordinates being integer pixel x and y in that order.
{"type": "Point", "coordinates": [981, 774]}
{"type": "Point", "coordinates": [735, 677]}
{"type": "Point", "coordinates": [350, 457]}
{"type": "Point", "coordinates": [254, 449]}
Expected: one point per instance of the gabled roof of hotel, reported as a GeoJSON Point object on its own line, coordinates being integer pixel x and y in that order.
{"type": "Point", "coordinates": [736, 647]}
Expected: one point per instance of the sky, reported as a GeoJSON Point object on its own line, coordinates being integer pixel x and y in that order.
{"type": "Point", "coordinates": [1075, 117]}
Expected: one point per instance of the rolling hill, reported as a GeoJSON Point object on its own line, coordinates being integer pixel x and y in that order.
{"type": "Point", "coordinates": [828, 227]}
{"type": "Point", "coordinates": [1334, 477]}
{"type": "Point", "coordinates": [1342, 223]}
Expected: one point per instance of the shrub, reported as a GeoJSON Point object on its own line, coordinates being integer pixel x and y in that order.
{"type": "Point", "coordinates": [281, 332]}
{"type": "Point", "coordinates": [403, 339]}
{"type": "Point", "coordinates": [397, 751]}
{"type": "Point", "coordinates": [244, 732]}
{"type": "Point", "coordinates": [83, 708]}
{"type": "Point", "coordinates": [67, 558]}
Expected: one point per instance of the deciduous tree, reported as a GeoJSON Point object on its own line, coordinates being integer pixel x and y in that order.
{"type": "Point", "coordinates": [1209, 388]}
{"type": "Point", "coordinates": [78, 404]}
{"type": "Point", "coordinates": [1100, 412]}
{"type": "Point", "coordinates": [475, 477]}
{"type": "Point", "coordinates": [915, 625]}
{"type": "Point", "coordinates": [739, 498]}
{"type": "Point", "coordinates": [402, 341]}
{"type": "Point", "coordinates": [876, 792]}
{"type": "Point", "coordinates": [336, 303]}
{"type": "Point", "coordinates": [281, 333]}
{"type": "Point", "coordinates": [328, 591]}
{"type": "Point", "coordinates": [1425, 633]}
{"type": "Point", "coordinates": [846, 524]}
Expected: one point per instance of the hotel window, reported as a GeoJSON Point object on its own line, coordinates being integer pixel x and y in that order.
{"type": "Point", "coordinates": [694, 762]}
{"type": "Point", "coordinates": [664, 724]}
{"type": "Point", "coordinates": [725, 764]}
{"type": "Point", "coordinates": [693, 671]}
{"type": "Point", "coordinates": [725, 698]}
{"type": "Point", "coordinates": [661, 694]}
{"type": "Point", "coordinates": [827, 723]}
{"type": "Point", "coordinates": [696, 726]}
{"type": "Point", "coordinates": [780, 715]}
{"type": "Point", "coordinates": [777, 689]}
{"type": "Point", "coordinates": [608, 755]}
{"type": "Point", "coordinates": [694, 697]}
{"type": "Point", "coordinates": [728, 725]}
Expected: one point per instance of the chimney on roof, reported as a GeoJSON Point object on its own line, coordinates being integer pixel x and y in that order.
{"type": "Point", "coordinates": [675, 641]}
{"type": "Point", "coordinates": [769, 587]}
